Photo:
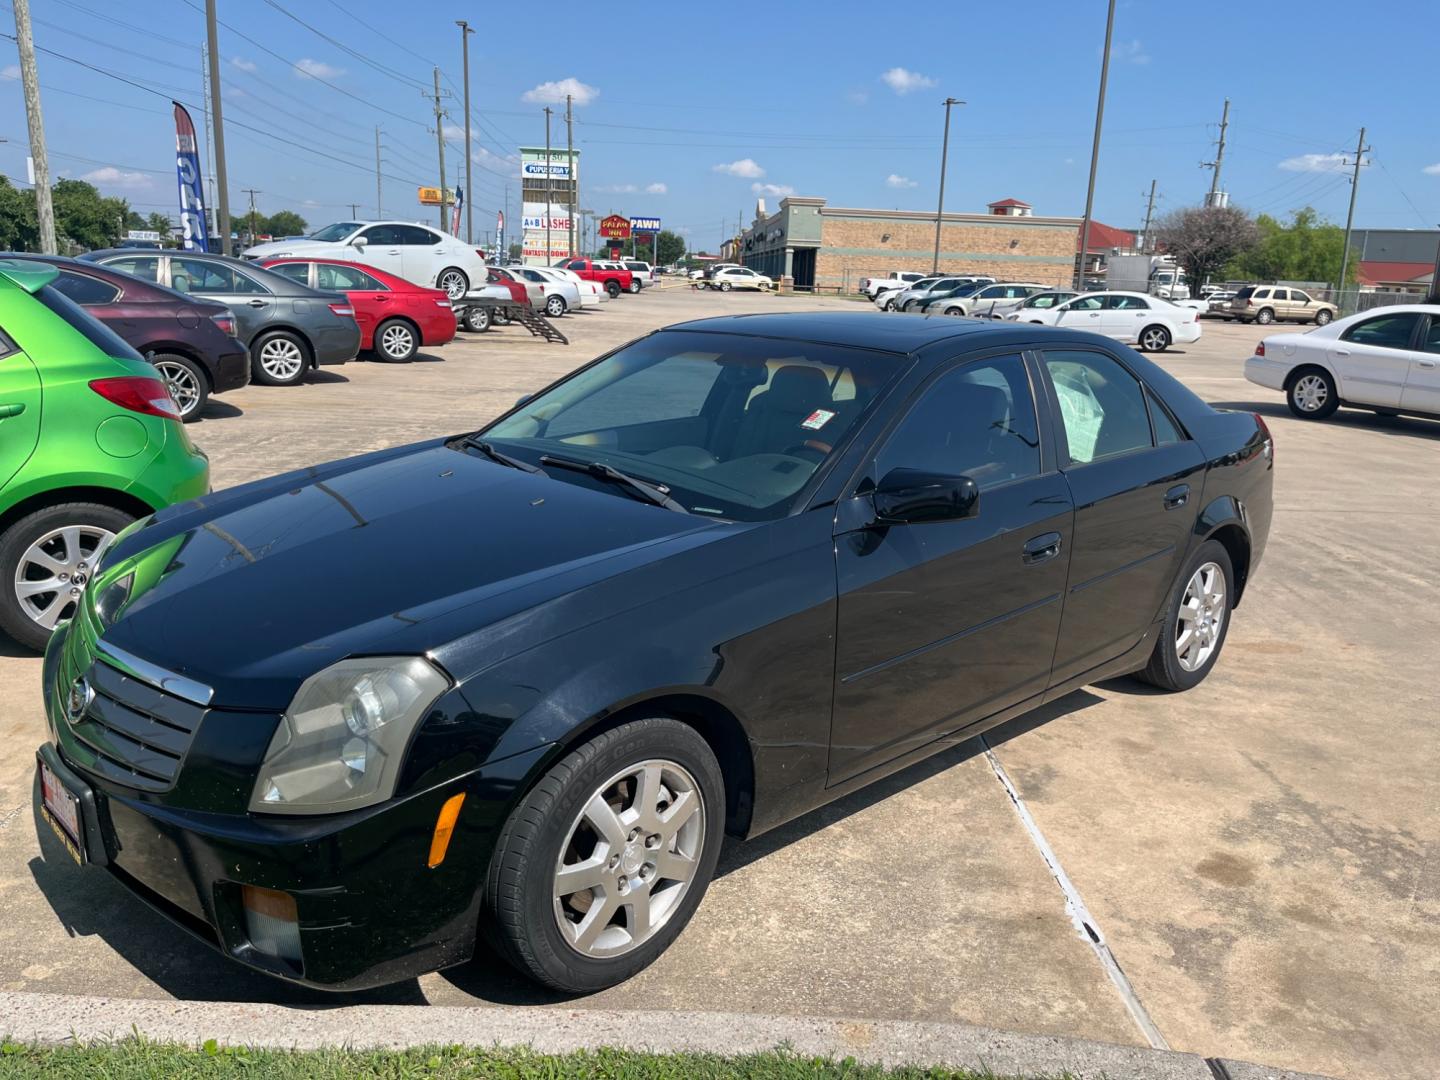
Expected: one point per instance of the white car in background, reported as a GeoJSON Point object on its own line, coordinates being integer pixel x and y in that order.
{"type": "Point", "coordinates": [1148, 322]}
{"type": "Point", "coordinates": [641, 272]}
{"type": "Point", "coordinates": [741, 277]}
{"type": "Point", "coordinates": [559, 293]}
{"type": "Point", "coordinates": [896, 279]}
{"type": "Point", "coordinates": [1039, 301]}
{"type": "Point", "coordinates": [414, 252]}
{"type": "Point", "coordinates": [982, 303]}
{"type": "Point", "coordinates": [1386, 359]}
{"type": "Point", "coordinates": [592, 293]}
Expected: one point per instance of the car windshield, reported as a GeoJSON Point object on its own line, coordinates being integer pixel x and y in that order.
{"type": "Point", "coordinates": [331, 233]}
{"type": "Point", "coordinates": [728, 426]}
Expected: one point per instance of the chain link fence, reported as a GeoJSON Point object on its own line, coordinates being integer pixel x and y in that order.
{"type": "Point", "coordinates": [1351, 301]}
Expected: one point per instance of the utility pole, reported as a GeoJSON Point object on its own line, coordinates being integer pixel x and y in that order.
{"type": "Point", "coordinates": [209, 140]}
{"type": "Point", "coordinates": [1214, 166]}
{"type": "Point", "coordinates": [1434, 297]}
{"type": "Point", "coordinates": [465, 33]}
{"type": "Point", "coordinates": [30, 77]}
{"type": "Point", "coordinates": [440, 146]}
{"type": "Point", "coordinates": [379, 206]}
{"type": "Point", "coordinates": [252, 193]}
{"type": "Point", "coordinates": [354, 209]}
{"type": "Point", "coordinates": [1360, 151]}
{"type": "Point", "coordinates": [944, 158]}
{"type": "Point", "coordinates": [548, 111]}
{"type": "Point", "coordinates": [222, 211]}
{"type": "Point", "coordinates": [1145, 244]}
{"type": "Point", "coordinates": [1095, 149]}
{"type": "Point", "coordinates": [570, 156]}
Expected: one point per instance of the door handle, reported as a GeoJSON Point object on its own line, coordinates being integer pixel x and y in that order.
{"type": "Point", "coordinates": [1427, 363]}
{"type": "Point", "coordinates": [1177, 496]}
{"type": "Point", "coordinates": [1038, 549]}
{"type": "Point", "coordinates": [257, 303]}
{"type": "Point", "coordinates": [1342, 352]}
{"type": "Point", "coordinates": [14, 408]}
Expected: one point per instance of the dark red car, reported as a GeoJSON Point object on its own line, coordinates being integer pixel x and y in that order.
{"type": "Point", "coordinates": [190, 340]}
{"type": "Point", "coordinates": [397, 317]}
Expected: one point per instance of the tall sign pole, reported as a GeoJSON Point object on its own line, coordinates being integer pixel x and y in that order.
{"type": "Point", "coordinates": [944, 157]}
{"type": "Point", "coordinates": [1145, 244]}
{"type": "Point", "coordinates": [465, 33]}
{"type": "Point", "coordinates": [548, 111]}
{"type": "Point", "coordinates": [1214, 166]}
{"type": "Point", "coordinates": [570, 156]}
{"type": "Point", "coordinates": [1360, 151]}
{"type": "Point", "coordinates": [222, 181]}
{"type": "Point", "coordinates": [440, 146]}
{"type": "Point", "coordinates": [30, 78]}
{"type": "Point", "coordinates": [1095, 150]}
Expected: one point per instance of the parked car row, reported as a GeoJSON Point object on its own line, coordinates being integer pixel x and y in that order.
{"type": "Point", "coordinates": [1148, 322]}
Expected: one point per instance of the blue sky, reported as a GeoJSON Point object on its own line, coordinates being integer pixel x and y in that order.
{"type": "Point", "coordinates": [705, 107]}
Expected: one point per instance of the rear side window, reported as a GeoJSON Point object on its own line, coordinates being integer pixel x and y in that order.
{"type": "Point", "coordinates": [298, 272]}
{"type": "Point", "coordinates": [85, 324]}
{"type": "Point", "coordinates": [1431, 342]}
{"type": "Point", "coordinates": [84, 289]}
{"type": "Point", "coordinates": [1245, 293]}
{"type": "Point", "coordinates": [1166, 430]}
{"type": "Point", "coordinates": [1384, 331]}
{"type": "Point", "coordinates": [145, 267]}
{"type": "Point", "coordinates": [1101, 404]}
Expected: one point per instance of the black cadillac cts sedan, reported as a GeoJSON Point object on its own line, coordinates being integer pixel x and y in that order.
{"type": "Point", "coordinates": [520, 682]}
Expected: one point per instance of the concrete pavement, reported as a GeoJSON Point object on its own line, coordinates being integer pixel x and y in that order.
{"type": "Point", "coordinates": [1259, 853]}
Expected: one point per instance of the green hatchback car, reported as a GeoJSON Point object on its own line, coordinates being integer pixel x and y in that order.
{"type": "Point", "coordinates": [90, 440]}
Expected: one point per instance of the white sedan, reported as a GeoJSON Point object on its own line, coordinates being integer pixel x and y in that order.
{"type": "Point", "coordinates": [560, 294]}
{"type": "Point", "coordinates": [414, 252]}
{"type": "Point", "coordinates": [592, 294]}
{"type": "Point", "coordinates": [1386, 359]}
{"type": "Point", "coordinates": [1134, 318]}
{"type": "Point", "coordinates": [740, 277]}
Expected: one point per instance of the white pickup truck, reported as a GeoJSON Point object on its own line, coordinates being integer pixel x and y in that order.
{"type": "Point", "coordinates": [896, 279]}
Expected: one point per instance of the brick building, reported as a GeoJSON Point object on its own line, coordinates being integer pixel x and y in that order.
{"type": "Point", "coordinates": [830, 248]}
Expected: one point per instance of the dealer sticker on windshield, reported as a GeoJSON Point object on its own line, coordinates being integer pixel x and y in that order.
{"type": "Point", "coordinates": [817, 419]}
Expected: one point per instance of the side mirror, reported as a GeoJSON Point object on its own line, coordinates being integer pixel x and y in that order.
{"type": "Point", "coordinates": [522, 399]}
{"type": "Point", "coordinates": [358, 243]}
{"type": "Point", "coordinates": [909, 496]}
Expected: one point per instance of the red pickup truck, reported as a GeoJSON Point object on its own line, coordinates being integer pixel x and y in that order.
{"type": "Point", "coordinates": [613, 282]}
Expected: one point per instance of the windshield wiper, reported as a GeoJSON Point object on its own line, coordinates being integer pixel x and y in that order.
{"type": "Point", "coordinates": [502, 458]}
{"type": "Point", "coordinates": [601, 471]}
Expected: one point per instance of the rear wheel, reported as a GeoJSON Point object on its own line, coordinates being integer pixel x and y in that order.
{"type": "Point", "coordinates": [454, 282]}
{"type": "Point", "coordinates": [279, 358]}
{"type": "Point", "coordinates": [477, 319]}
{"type": "Point", "coordinates": [602, 864]}
{"type": "Point", "coordinates": [1265, 316]}
{"type": "Point", "coordinates": [1154, 339]}
{"type": "Point", "coordinates": [555, 305]}
{"type": "Point", "coordinates": [1196, 621]}
{"type": "Point", "coordinates": [46, 560]}
{"type": "Point", "coordinates": [635, 286]}
{"type": "Point", "coordinates": [1311, 394]}
{"type": "Point", "coordinates": [187, 382]}
{"type": "Point", "coordinates": [396, 341]}
{"type": "Point", "coordinates": [613, 288]}
{"type": "Point", "coordinates": [724, 286]}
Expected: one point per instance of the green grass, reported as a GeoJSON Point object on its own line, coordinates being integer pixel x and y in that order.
{"type": "Point", "coordinates": [136, 1058]}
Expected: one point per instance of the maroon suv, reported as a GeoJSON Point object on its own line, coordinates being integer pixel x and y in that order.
{"type": "Point", "coordinates": [192, 341]}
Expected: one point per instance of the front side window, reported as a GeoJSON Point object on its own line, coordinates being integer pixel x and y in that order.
{"type": "Point", "coordinates": [382, 235]}
{"type": "Point", "coordinates": [1046, 300]}
{"type": "Point", "coordinates": [1299, 297]}
{"type": "Point", "coordinates": [1384, 331]}
{"type": "Point", "coordinates": [732, 426]}
{"type": "Point", "coordinates": [145, 267]}
{"type": "Point", "coordinates": [84, 289]}
{"type": "Point", "coordinates": [977, 421]}
{"type": "Point", "coordinates": [1101, 405]}
{"type": "Point", "coordinates": [197, 276]}
{"type": "Point", "coordinates": [1085, 303]}
{"type": "Point", "coordinates": [1431, 342]}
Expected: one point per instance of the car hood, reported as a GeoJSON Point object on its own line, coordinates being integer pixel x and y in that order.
{"type": "Point", "coordinates": [277, 249]}
{"type": "Point", "coordinates": [397, 555]}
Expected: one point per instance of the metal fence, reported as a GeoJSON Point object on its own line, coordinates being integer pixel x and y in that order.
{"type": "Point", "coordinates": [1351, 301]}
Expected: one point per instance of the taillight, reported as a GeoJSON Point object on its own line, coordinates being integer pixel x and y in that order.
{"type": "Point", "coordinates": [1249, 303]}
{"type": "Point", "coordinates": [345, 311]}
{"type": "Point", "coordinates": [1260, 351]}
{"type": "Point", "coordinates": [225, 323]}
{"type": "Point", "coordinates": [138, 393]}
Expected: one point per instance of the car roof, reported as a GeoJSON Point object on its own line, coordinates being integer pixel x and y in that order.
{"type": "Point", "coordinates": [860, 329]}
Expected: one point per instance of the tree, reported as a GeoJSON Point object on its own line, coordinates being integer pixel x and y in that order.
{"type": "Point", "coordinates": [87, 218]}
{"type": "Point", "coordinates": [1306, 249]}
{"type": "Point", "coordinates": [284, 223]}
{"type": "Point", "coordinates": [1203, 239]}
{"type": "Point", "coordinates": [669, 247]}
{"type": "Point", "coordinates": [18, 228]}
{"type": "Point", "coordinates": [516, 250]}
{"type": "Point", "coordinates": [159, 223]}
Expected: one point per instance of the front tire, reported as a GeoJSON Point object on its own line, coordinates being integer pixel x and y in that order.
{"type": "Point", "coordinates": [724, 286]}
{"type": "Point", "coordinates": [454, 281]}
{"type": "Point", "coordinates": [477, 319]}
{"type": "Point", "coordinates": [396, 341]}
{"type": "Point", "coordinates": [635, 286]}
{"type": "Point", "coordinates": [187, 382]}
{"type": "Point", "coordinates": [279, 358]}
{"type": "Point", "coordinates": [1154, 339]}
{"type": "Point", "coordinates": [1197, 621]}
{"type": "Point", "coordinates": [1311, 394]}
{"type": "Point", "coordinates": [46, 560]}
{"type": "Point", "coordinates": [603, 863]}
{"type": "Point", "coordinates": [1323, 317]}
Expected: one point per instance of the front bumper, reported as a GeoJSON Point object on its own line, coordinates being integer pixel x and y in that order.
{"type": "Point", "coordinates": [369, 909]}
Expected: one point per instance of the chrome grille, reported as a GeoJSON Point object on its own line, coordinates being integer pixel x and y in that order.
{"type": "Point", "coordinates": [139, 734]}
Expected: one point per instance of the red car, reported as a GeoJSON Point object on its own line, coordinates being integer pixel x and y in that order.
{"type": "Point", "coordinates": [397, 318]}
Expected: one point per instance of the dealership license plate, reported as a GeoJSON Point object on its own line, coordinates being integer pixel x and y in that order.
{"type": "Point", "coordinates": [62, 811]}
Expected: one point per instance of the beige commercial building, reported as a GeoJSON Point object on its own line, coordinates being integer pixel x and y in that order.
{"type": "Point", "coordinates": [830, 248]}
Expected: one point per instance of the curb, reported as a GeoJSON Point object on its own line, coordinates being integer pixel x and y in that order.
{"type": "Point", "coordinates": [57, 1019]}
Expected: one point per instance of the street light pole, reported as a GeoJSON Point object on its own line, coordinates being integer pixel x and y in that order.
{"type": "Point", "coordinates": [465, 33]}
{"type": "Point", "coordinates": [944, 156]}
{"type": "Point", "coordinates": [1095, 149]}
{"type": "Point", "coordinates": [1434, 297]}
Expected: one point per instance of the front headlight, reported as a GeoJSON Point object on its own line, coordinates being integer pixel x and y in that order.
{"type": "Point", "coordinates": [341, 742]}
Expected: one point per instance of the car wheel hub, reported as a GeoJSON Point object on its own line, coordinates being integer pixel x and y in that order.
{"type": "Point", "coordinates": [1201, 617]}
{"type": "Point", "coordinates": [53, 571]}
{"type": "Point", "coordinates": [281, 359]}
{"type": "Point", "coordinates": [182, 385]}
{"type": "Point", "coordinates": [1311, 392]}
{"type": "Point", "coordinates": [453, 284]}
{"type": "Point", "coordinates": [397, 340]}
{"type": "Point", "coordinates": [629, 858]}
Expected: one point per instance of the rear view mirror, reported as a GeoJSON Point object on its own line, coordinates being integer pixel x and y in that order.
{"type": "Point", "coordinates": [909, 496]}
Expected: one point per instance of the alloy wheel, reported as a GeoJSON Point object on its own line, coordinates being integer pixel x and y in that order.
{"type": "Point", "coordinates": [54, 570]}
{"type": "Point", "coordinates": [1310, 393]}
{"type": "Point", "coordinates": [1201, 617]}
{"type": "Point", "coordinates": [629, 858]}
{"type": "Point", "coordinates": [1154, 339]}
{"type": "Point", "coordinates": [454, 283]}
{"type": "Point", "coordinates": [555, 307]}
{"type": "Point", "coordinates": [184, 387]}
{"type": "Point", "coordinates": [397, 341]}
{"type": "Point", "coordinates": [281, 358]}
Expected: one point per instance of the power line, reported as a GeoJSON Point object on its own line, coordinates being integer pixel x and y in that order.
{"type": "Point", "coordinates": [390, 72]}
{"type": "Point", "coordinates": [387, 37]}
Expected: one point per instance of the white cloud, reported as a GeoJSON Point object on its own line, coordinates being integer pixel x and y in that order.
{"type": "Point", "coordinates": [453, 131]}
{"type": "Point", "coordinates": [657, 188]}
{"type": "Point", "coordinates": [1432, 170]}
{"type": "Point", "coordinates": [553, 93]}
{"type": "Point", "coordinates": [896, 181]}
{"type": "Point", "coordinates": [11, 71]}
{"type": "Point", "coordinates": [904, 82]}
{"type": "Point", "coordinates": [778, 190]}
{"type": "Point", "coordinates": [118, 178]}
{"type": "Point", "coordinates": [1131, 52]}
{"type": "Point", "coordinates": [307, 68]}
{"type": "Point", "coordinates": [491, 160]}
{"type": "Point", "coordinates": [745, 167]}
{"type": "Point", "coordinates": [858, 97]}
{"type": "Point", "coordinates": [1315, 163]}
{"type": "Point", "coordinates": [618, 189]}
{"type": "Point", "coordinates": [243, 64]}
